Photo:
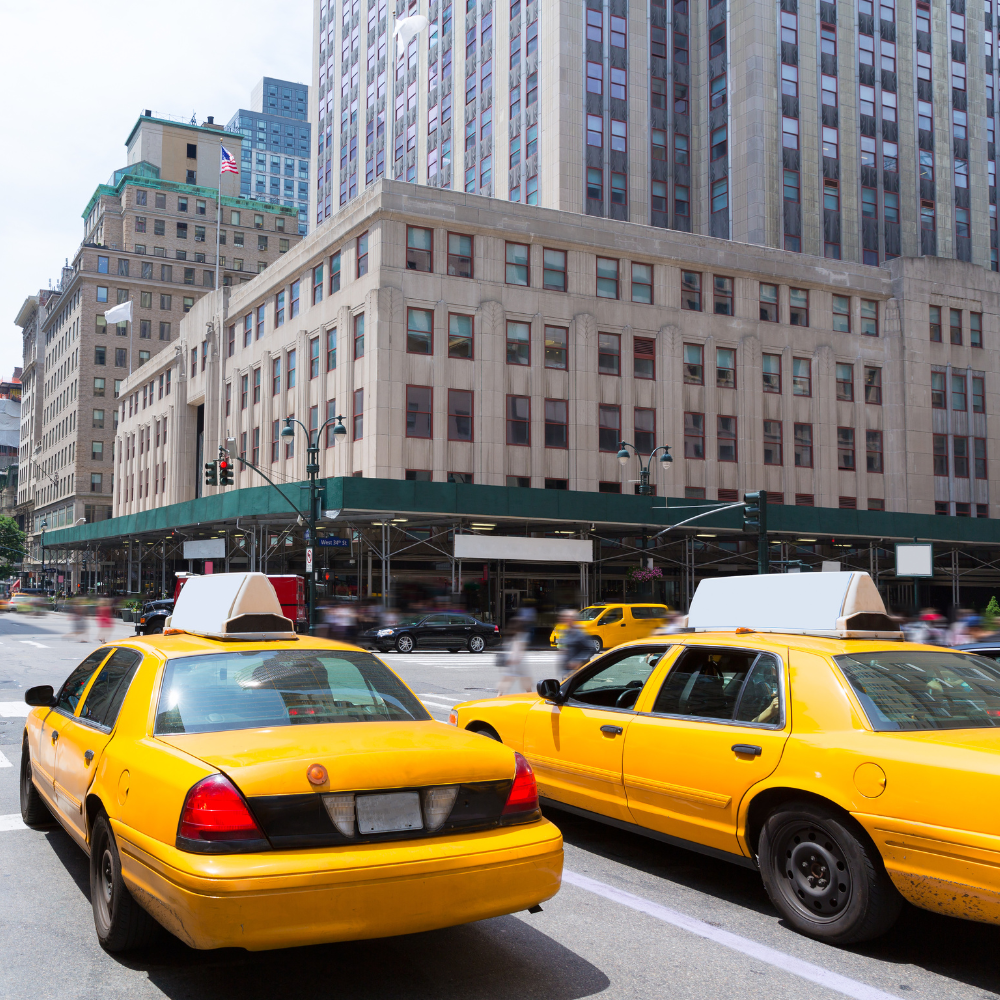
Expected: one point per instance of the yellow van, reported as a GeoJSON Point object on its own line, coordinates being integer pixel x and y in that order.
{"type": "Point", "coordinates": [612, 624]}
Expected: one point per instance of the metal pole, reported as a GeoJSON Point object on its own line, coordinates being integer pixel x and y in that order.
{"type": "Point", "coordinates": [312, 469]}
{"type": "Point", "coordinates": [218, 226]}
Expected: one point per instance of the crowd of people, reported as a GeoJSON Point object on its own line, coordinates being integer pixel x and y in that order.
{"type": "Point", "coordinates": [934, 628]}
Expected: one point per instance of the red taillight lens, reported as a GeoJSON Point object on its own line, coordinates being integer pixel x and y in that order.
{"type": "Point", "coordinates": [496, 628]}
{"type": "Point", "coordinates": [522, 802]}
{"type": "Point", "coordinates": [215, 813]}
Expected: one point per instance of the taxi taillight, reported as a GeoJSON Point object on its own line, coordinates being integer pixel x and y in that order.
{"type": "Point", "coordinates": [522, 802]}
{"type": "Point", "coordinates": [216, 819]}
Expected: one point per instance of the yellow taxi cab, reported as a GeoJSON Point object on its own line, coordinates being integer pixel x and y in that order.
{"type": "Point", "coordinates": [246, 786]}
{"type": "Point", "coordinates": [789, 729]}
{"type": "Point", "coordinates": [612, 624]}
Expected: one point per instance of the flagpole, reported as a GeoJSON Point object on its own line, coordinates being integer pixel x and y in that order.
{"type": "Point", "coordinates": [218, 219]}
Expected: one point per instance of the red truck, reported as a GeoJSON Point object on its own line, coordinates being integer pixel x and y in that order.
{"type": "Point", "coordinates": [291, 591]}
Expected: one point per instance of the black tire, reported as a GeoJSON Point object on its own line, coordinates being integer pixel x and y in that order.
{"type": "Point", "coordinates": [155, 630]}
{"type": "Point", "coordinates": [482, 729]}
{"type": "Point", "coordinates": [596, 644]}
{"type": "Point", "coordinates": [34, 811]}
{"type": "Point", "coordinates": [121, 923]}
{"type": "Point", "coordinates": [825, 876]}
{"type": "Point", "coordinates": [405, 644]}
{"type": "Point", "coordinates": [477, 644]}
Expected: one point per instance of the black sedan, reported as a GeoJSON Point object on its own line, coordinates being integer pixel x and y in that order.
{"type": "Point", "coordinates": [989, 647]}
{"type": "Point", "coordinates": [441, 630]}
{"type": "Point", "coordinates": [153, 616]}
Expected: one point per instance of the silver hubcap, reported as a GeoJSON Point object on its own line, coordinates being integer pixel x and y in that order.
{"type": "Point", "coordinates": [476, 644]}
{"type": "Point", "coordinates": [107, 878]}
{"type": "Point", "coordinates": [405, 644]}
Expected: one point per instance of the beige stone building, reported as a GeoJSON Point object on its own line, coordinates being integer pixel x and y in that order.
{"type": "Point", "coordinates": [466, 340]}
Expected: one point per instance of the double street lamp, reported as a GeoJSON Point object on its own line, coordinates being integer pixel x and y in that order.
{"type": "Point", "coordinates": [666, 460]}
{"type": "Point", "coordinates": [43, 526]}
{"type": "Point", "coordinates": [312, 471]}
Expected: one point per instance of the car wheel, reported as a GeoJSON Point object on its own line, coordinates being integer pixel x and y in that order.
{"type": "Point", "coordinates": [121, 923]}
{"type": "Point", "coordinates": [477, 644]}
{"type": "Point", "coordinates": [34, 811]}
{"type": "Point", "coordinates": [484, 730]}
{"type": "Point", "coordinates": [155, 630]}
{"type": "Point", "coordinates": [404, 644]}
{"type": "Point", "coordinates": [596, 644]}
{"type": "Point", "coordinates": [825, 876]}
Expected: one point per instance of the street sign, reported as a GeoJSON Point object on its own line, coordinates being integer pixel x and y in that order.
{"type": "Point", "coordinates": [309, 560]}
{"type": "Point", "coordinates": [333, 543]}
{"type": "Point", "coordinates": [915, 559]}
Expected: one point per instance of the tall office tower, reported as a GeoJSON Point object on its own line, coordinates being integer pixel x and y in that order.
{"type": "Point", "coordinates": [276, 140]}
{"type": "Point", "coordinates": [859, 132]}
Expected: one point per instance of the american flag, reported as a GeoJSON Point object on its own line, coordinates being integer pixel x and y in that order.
{"type": "Point", "coordinates": [229, 164]}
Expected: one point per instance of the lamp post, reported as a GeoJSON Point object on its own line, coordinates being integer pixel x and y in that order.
{"type": "Point", "coordinates": [312, 471]}
{"type": "Point", "coordinates": [43, 526]}
{"type": "Point", "coordinates": [666, 460]}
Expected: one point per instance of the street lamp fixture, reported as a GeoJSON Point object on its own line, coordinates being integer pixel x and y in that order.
{"type": "Point", "coordinates": [43, 526]}
{"type": "Point", "coordinates": [665, 460]}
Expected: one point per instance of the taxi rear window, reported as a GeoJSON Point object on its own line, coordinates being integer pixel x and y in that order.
{"type": "Point", "coordinates": [654, 612]}
{"type": "Point", "coordinates": [251, 690]}
{"type": "Point", "coordinates": [924, 690]}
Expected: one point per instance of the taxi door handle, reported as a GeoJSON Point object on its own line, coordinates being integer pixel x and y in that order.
{"type": "Point", "coordinates": [55, 735]}
{"type": "Point", "coordinates": [88, 756]}
{"type": "Point", "coordinates": [611, 730]}
{"type": "Point", "coordinates": [747, 748]}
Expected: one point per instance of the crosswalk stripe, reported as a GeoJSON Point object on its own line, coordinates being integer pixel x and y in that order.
{"type": "Point", "coordinates": [11, 822]}
{"type": "Point", "coordinates": [3, 761]}
{"type": "Point", "coordinates": [13, 709]}
{"type": "Point", "coordinates": [29, 642]}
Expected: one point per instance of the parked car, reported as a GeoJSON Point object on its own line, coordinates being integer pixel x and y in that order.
{"type": "Point", "coordinates": [442, 630]}
{"type": "Point", "coordinates": [150, 620]}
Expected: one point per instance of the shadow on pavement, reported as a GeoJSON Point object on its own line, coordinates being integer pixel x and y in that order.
{"type": "Point", "coordinates": [957, 949]}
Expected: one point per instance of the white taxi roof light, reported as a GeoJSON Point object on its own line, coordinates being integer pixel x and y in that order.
{"type": "Point", "coordinates": [840, 605]}
{"type": "Point", "coordinates": [234, 606]}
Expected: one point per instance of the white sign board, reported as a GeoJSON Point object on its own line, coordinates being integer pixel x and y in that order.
{"type": "Point", "coordinates": [205, 548]}
{"type": "Point", "coordinates": [914, 559]}
{"type": "Point", "coordinates": [563, 550]}
{"type": "Point", "coordinates": [309, 560]}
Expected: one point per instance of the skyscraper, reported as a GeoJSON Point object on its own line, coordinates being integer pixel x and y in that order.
{"type": "Point", "coordinates": [859, 132]}
{"type": "Point", "coordinates": [275, 146]}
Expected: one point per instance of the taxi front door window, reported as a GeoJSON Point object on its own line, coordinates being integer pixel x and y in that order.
{"type": "Point", "coordinates": [681, 772]}
{"type": "Point", "coordinates": [576, 747]}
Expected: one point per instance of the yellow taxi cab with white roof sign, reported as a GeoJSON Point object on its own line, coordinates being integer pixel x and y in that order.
{"type": "Point", "coordinates": [788, 729]}
{"type": "Point", "coordinates": [246, 786]}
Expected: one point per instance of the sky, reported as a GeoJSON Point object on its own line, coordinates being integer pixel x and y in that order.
{"type": "Point", "coordinates": [77, 75]}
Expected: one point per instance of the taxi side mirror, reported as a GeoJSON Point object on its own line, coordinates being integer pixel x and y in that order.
{"type": "Point", "coordinates": [549, 690]}
{"type": "Point", "coordinates": [40, 697]}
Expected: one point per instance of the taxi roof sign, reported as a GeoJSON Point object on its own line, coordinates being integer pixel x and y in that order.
{"type": "Point", "coordinates": [234, 606]}
{"type": "Point", "coordinates": [840, 605]}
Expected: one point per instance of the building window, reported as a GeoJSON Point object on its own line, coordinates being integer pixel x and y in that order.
{"type": "Point", "coordinates": [873, 385]}
{"type": "Point", "coordinates": [419, 249]}
{"type": "Point", "coordinates": [940, 454]}
{"type": "Point", "coordinates": [290, 379]}
{"type": "Point", "coordinates": [803, 446]}
{"type": "Point", "coordinates": [517, 260]}
{"type": "Point", "coordinates": [869, 318]}
{"type": "Point", "coordinates": [419, 331]}
{"type": "Point", "coordinates": [937, 390]}
{"type": "Point", "coordinates": [331, 349]}
{"type": "Point", "coordinates": [607, 278]}
{"type": "Point", "coordinates": [644, 357]}
{"type": "Point", "coordinates": [644, 428]}
{"type": "Point", "coordinates": [842, 313]}
{"type": "Point", "coordinates": [978, 394]}
{"type": "Point", "coordinates": [975, 329]}
{"type": "Point", "coordinates": [97, 482]}
{"type": "Point", "coordinates": [681, 150]}
{"type": "Point", "coordinates": [595, 185]}
{"type": "Point", "coordinates": [772, 443]}
{"type": "Point", "coordinates": [335, 273]}
{"type": "Point", "coordinates": [314, 358]}
{"type": "Point", "coordinates": [459, 415]}
{"type": "Point", "coordinates": [798, 306]}
{"type": "Point", "coordinates": [519, 420]}
{"type": "Point", "coordinates": [317, 284]}
{"type": "Point", "coordinates": [845, 448]}
{"type": "Point", "coordinates": [619, 135]}
{"type": "Point", "coordinates": [619, 189]}
{"type": "Point", "coordinates": [956, 326]}
{"type": "Point", "coordinates": [725, 367]}
{"type": "Point", "coordinates": [726, 438]}
{"type": "Point", "coordinates": [359, 414]}
{"type": "Point", "coordinates": [279, 314]}
{"type": "Point", "coordinates": [642, 283]}
{"type": "Point", "coordinates": [460, 329]}
{"type": "Point", "coordinates": [960, 447]}
{"type": "Point", "coordinates": [979, 458]}
{"type": "Point", "coordinates": [694, 364]}
{"type": "Point", "coordinates": [682, 201]}
{"type": "Point", "coordinates": [275, 376]}
{"type": "Point", "coordinates": [518, 343]}
{"type": "Point", "coordinates": [293, 300]}
{"type": "Point", "coordinates": [873, 451]}
{"type": "Point", "coordinates": [694, 435]}
{"type": "Point", "coordinates": [790, 133]}
{"type": "Point", "coordinates": [771, 364]}
{"type": "Point", "coordinates": [845, 382]}
{"type": "Point", "coordinates": [419, 410]}
{"type": "Point", "coordinates": [459, 255]}
{"type": "Point", "coordinates": [609, 427]}
{"type": "Point", "coordinates": [556, 423]}
{"type": "Point", "coordinates": [609, 347]}
{"type": "Point", "coordinates": [556, 347]}
{"type": "Point", "coordinates": [722, 294]}
{"type": "Point", "coordinates": [768, 303]}
{"type": "Point", "coordinates": [720, 195]}
{"type": "Point", "coordinates": [691, 290]}
{"type": "Point", "coordinates": [554, 270]}
{"type": "Point", "coordinates": [958, 393]}
{"type": "Point", "coordinates": [362, 254]}
{"type": "Point", "coordinates": [801, 377]}
{"type": "Point", "coordinates": [359, 336]}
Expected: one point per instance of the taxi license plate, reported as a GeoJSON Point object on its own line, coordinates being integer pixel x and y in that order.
{"type": "Point", "coordinates": [392, 812]}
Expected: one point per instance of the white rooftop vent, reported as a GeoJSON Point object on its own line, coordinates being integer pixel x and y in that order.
{"type": "Point", "coordinates": [842, 605]}
{"type": "Point", "coordinates": [235, 606]}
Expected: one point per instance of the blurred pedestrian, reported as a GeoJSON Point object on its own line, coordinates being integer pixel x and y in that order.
{"type": "Point", "coordinates": [79, 619]}
{"type": "Point", "coordinates": [575, 646]}
{"type": "Point", "coordinates": [512, 659]}
{"type": "Point", "coordinates": [104, 620]}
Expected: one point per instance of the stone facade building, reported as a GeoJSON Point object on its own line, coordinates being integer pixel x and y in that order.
{"type": "Point", "coordinates": [465, 340]}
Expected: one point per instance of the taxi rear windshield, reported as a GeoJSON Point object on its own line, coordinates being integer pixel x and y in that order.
{"type": "Point", "coordinates": [269, 688]}
{"type": "Point", "coordinates": [923, 690]}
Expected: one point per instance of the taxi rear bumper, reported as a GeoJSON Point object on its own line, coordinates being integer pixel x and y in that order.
{"type": "Point", "coordinates": [284, 899]}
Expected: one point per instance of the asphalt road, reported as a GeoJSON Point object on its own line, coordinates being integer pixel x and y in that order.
{"type": "Point", "coordinates": [635, 918]}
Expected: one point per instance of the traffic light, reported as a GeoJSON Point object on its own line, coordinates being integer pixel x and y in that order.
{"type": "Point", "coordinates": [755, 513]}
{"type": "Point", "coordinates": [211, 474]}
{"type": "Point", "coordinates": [225, 472]}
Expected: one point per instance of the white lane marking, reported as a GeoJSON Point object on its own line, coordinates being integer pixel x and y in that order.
{"type": "Point", "coordinates": [28, 642]}
{"type": "Point", "coordinates": [806, 970]}
{"type": "Point", "coordinates": [11, 822]}
{"type": "Point", "coordinates": [3, 761]}
{"type": "Point", "coordinates": [14, 709]}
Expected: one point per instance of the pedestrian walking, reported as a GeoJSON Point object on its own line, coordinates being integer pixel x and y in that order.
{"type": "Point", "coordinates": [575, 645]}
{"type": "Point", "coordinates": [512, 659]}
{"type": "Point", "coordinates": [103, 619]}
